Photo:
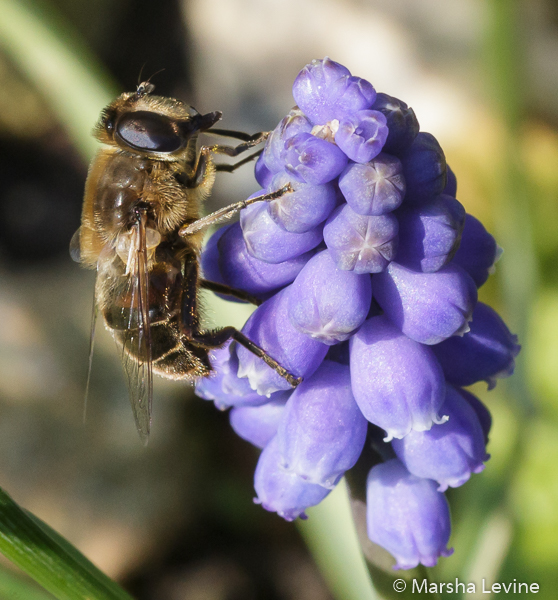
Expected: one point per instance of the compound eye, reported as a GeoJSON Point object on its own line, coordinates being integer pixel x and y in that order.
{"type": "Point", "coordinates": [148, 131]}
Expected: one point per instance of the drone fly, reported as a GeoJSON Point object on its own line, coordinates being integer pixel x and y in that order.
{"type": "Point", "coordinates": [141, 229]}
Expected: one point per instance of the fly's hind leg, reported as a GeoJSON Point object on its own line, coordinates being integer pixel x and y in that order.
{"type": "Point", "coordinates": [190, 327]}
{"type": "Point", "coordinates": [215, 339]}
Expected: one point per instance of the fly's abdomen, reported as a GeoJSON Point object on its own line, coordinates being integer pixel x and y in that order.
{"type": "Point", "coordinates": [172, 356]}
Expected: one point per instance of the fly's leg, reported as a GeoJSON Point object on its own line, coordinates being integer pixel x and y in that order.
{"type": "Point", "coordinates": [254, 139]}
{"type": "Point", "coordinates": [221, 288]}
{"type": "Point", "coordinates": [235, 166]}
{"type": "Point", "coordinates": [226, 213]}
{"type": "Point", "coordinates": [238, 135]}
{"type": "Point", "coordinates": [190, 327]}
{"type": "Point", "coordinates": [249, 142]}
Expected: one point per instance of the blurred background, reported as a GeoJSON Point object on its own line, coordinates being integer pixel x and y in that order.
{"type": "Point", "coordinates": [176, 520]}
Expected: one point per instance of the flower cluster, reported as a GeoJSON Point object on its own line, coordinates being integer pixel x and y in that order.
{"type": "Point", "coordinates": [369, 272]}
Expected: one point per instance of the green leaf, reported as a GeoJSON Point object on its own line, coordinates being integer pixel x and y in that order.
{"type": "Point", "coordinates": [50, 559]}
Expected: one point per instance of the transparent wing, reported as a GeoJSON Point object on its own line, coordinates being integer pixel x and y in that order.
{"type": "Point", "coordinates": [136, 351]}
{"type": "Point", "coordinates": [90, 365]}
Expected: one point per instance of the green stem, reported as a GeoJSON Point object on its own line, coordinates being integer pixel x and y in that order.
{"type": "Point", "coordinates": [331, 536]}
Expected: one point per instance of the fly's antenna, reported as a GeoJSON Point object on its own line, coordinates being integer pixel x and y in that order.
{"type": "Point", "coordinates": [146, 87]}
{"type": "Point", "coordinates": [140, 74]}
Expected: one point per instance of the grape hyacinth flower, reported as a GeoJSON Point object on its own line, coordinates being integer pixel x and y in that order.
{"type": "Point", "coordinates": [368, 274]}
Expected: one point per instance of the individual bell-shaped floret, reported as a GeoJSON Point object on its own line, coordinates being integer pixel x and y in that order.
{"type": "Point", "coordinates": [486, 353]}
{"type": "Point", "coordinates": [407, 516]}
{"type": "Point", "coordinates": [210, 257]}
{"type": "Point", "coordinates": [238, 269]}
{"type": "Point", "coordinates": [223, 386]}
{"type": "Point", "coordinates": [361, 244]}
{"type": "Point", "coordinates": [327, 303]}
{"type": "Point", "coordinates": [374, 188]}
{"type": "Point", "coordinates": [324, 90]}
{"type": "Point", "coordinates": [282, 491]}
{"type": "Point", "coordinates": [429, 234]}
{"type": "Point", "coordinates": [448, 453]}
{"type": "Point", "coordinates": [267, 241]}
{"type": "Point", "coordinates": [312, 159]}
{"type": "Point", "coordinates": [401, 121]}
{"type": "Point", "coordinates": [397, 382]}
{"type": "Point", "coordinates": [451, 183]}
{"type": "Point", "coordinates": [270, 328]}
{"type": "Point", "coordinates": [478, 251]}
{"type": "Point", "coordinates": [483, 414]}
{"type": "Point", "coordinates": [362, 135]}
{"type": "Point", "coordinates": [303, 209]}
{"type": "Point", "coordinates": [322, 432]}
{"type": "Point", "coordinates": [262, 173]}
{"type": "Point", "coordinates": [258, 424]}
{"type": "Point", "coordinates": [274, 150]}
{"type": "Point", "coordinates": [424, 168]}
{"type": "Point", "coordinates": [427, 307]}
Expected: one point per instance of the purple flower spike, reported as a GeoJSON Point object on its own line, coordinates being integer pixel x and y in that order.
{"type": "Point", "coordinates": [223, 386]}
{"type": "Point", "coordinates": [449, 453]}
{"type": "Point", "coordinates": [424, 168]}
{"type": "Point", "coordinates": [258, 424]}
{"type": "Point", "coordinates": [270, 328]}
{"type": "Point", "coordinates": [430, 233]}
{"type": "Point", "coordinates": [451, 183]}
{"type": "Point", "coordinates": [266, 241]}
{"type": "Point", "coordinates": [282, 491]}
{"type": "Point", "coordinates": [361, 244]}
{"type": "Point", "coordinates": [326, 303]}
{"type": "Point", "coordinates": [273, 154]}
{"type": "Point", "coordinates": [401, 121]}
{"type": "Point", "coordinates": [478, 251]}
{"type": "Point", "coordinates": [325, 90]}
{"type": "Point", "coordinates": [322, 432]}
{"type": "Point", "coordinates": [244, 272]}
{"type": "Point", "coordinates": [262, 174]}
{"type": "Point", "coordinates": [362, 135]}
{"type": "Point", "coordinates": [210, 256]}
{"type": "Point", "coordinates": [308, 206]}
{"type": "Point", "coordinates": [487, 352]}
{"type": "Point", "coordinates": [397, 383]}
{"type": "Point", "coordinates": [407, 516]}
{"type": "Point", "coordinates": [483, 414]}
{"type": "Point", "coordinates": [375, 188]}
{"type": "Point", "coordinates": [427, 307]}
{"type": "Point", "coordinates": [313, 160]}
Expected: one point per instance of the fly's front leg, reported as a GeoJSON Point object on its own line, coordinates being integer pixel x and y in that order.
{"type": "Point", "coordinates": [235, 166]}
{"type": "Point", "coordinates": [190, 327]}
{"type": "Point", "coordinates": [249, 142]}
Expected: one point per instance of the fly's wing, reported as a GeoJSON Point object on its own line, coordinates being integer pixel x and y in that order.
{"type": "Point", "coordinates": [75, 246]}
{"type": "Point", "coordinates": [136, 351]}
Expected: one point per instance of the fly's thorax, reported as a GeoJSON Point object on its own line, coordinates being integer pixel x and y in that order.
{"type": "Point", "coordinates": [119, 184]}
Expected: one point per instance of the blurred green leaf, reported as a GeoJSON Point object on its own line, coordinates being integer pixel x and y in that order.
{"type": "Point", "coordinates": [14, 587]}
{"type": "Point", "coordinates": [56, 60]}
